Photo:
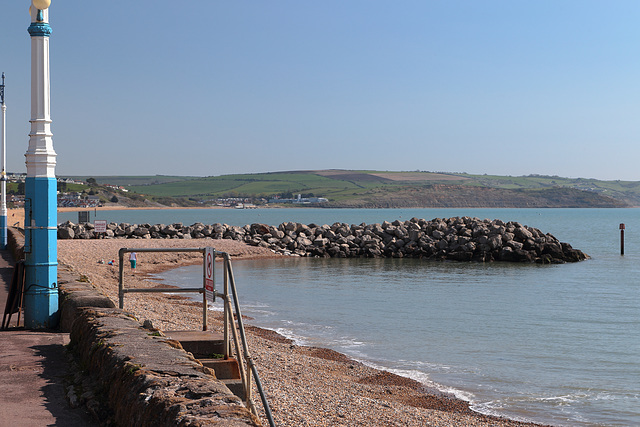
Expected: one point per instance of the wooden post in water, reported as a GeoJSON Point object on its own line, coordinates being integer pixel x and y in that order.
{"type": "Point", "coordinates": [621, 239]}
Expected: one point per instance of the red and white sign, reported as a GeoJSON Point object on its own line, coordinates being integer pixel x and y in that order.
{"type": "Point", "coordinates": [209, 286]}
{"type": "Point", "coordinates": [100, 226]}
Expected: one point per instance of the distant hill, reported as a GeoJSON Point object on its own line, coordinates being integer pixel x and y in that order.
{"type": "Point", "coordinates": [627, 192]}
{"type": "Point", "coordinates": [371, 189]}
{"type": "Point", "coordinates": [128, 180]}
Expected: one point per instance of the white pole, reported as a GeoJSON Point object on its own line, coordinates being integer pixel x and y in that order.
{"type": "Point", "coordinates": [3, 176]}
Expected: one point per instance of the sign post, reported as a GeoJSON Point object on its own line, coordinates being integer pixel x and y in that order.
{"type": "Point", "coordinates": [209, 285]}
{"type": "Point", "coordinates": [100, 226]}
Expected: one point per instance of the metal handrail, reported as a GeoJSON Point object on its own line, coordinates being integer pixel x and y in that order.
{"type": "Point", "coordinates": [122, 290]}
{"type": "Point", "coordinates": [247, 356]}
{"type": "Point", "coordinates": [229, 291]}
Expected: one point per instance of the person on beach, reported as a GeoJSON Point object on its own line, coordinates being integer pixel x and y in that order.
{"type": "Point", "coordinates": [133, 258]}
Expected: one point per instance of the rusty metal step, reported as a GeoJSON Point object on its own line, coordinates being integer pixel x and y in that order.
{"type": "Point", "coordinates": [202, 344]}
{"type": "Point", "coordinates": [224, 368]}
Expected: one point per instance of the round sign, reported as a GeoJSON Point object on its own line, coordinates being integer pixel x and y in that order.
{"type": "Point", "coordinates": [209, 266]}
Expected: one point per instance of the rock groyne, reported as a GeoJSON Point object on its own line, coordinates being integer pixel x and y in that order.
{"type": "Point", "coordinates": [456, 239]}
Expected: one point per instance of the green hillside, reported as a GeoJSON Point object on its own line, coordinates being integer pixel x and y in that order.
{"type": "Point", "coordinates": [394, 189]}
{"type": "Point", "coordinates": [263, 185]}
{"type": "Point", "coordinates": [123, 180]}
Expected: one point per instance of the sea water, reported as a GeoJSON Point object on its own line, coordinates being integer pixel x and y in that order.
{"type": "Point", "coordinates": [556, 344]}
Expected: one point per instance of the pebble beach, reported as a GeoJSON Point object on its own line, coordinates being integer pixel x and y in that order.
{"type": "Point", "coordinates": [305, 386]}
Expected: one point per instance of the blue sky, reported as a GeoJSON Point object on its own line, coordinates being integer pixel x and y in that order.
{"type": "Point", "coordinates": [209, 88]}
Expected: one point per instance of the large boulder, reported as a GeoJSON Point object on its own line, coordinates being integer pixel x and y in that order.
{"type": "Point", "coordinates": [65, 233]}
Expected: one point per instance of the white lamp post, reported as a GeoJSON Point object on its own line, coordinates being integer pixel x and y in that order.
{"type": "Point", "coordinates": [41, 245]}
{"type": "Point", "coordinates": [3, 175]}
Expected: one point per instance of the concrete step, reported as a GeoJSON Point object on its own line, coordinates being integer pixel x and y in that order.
{"type": "Point", "coordinates": [224, 368]}
{"type": "Point", "coordinates": [236, 387]}
{"type": "Point", "coordinates": [202, 344]}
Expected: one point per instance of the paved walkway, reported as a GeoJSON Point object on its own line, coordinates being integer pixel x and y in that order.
{"type": "Point", "coordinates": [33, 365]}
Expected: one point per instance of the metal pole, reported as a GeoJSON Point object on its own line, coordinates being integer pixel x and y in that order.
{"type": "Point", "coordinates": [247, 355]}
{"type": "Point", "coordinates": [204, 293]}
{"type": "Point", "coordinates": [41, 248]}
{"type": "Point", "coordinates": [121, 277]}
{"type": "Point", "coordinates": [3, 177]}
{"type": "Point", "coordinates": [621, 239]}
{"type": "Point", "coordinates": [227, 308]}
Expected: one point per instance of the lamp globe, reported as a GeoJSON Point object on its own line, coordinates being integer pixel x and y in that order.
{"type": "Point", "coordinates": [42, 4]}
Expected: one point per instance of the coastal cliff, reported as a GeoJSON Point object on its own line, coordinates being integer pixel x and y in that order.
{"type": "Point", "coordinates": [460, 196]}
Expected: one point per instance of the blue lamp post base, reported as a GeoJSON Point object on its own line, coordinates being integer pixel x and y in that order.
{"type": "Point", "coordinates": [3, 232]}
{"type": "Point", "coordinates": [43, 308]}
{"type": "Point", "coordinates": [41, 254]}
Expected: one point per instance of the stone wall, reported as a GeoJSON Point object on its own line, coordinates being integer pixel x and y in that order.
{"type": "Point", "coordinates": [15, 242]}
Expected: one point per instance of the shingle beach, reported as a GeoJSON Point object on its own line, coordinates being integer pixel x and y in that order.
{"type": "Point", "coordinates": [305, 386]}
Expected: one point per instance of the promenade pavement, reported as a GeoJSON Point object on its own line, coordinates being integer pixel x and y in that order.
{"type": "Point", "coordinates": [33, 366]}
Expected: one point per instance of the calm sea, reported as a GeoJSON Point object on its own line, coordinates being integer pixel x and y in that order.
{"type": "Point", "coordinates": [556, 344]}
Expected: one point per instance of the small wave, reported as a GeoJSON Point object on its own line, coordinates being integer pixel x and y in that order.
{"type": "Point", "coordinates": [423, 378]}
{"type": "Point", "coordinates": [254, 305]}
{"type": "Point", "coordinates": [419, 365]}
{"type": "Point", "coordinates": [577, 397]}
{"type": "Point", "coordinates": [492, 408]}
{"type": "Point", "coordinates": [255, 311]}
{"type": "Point", "coordinates": [566, 399]}
{"type": "Point", "coordinates": [289, 334]}
{"type": "Point", "coordinates": [496, 408]}
{"type": "Point", "coordinates": [211, 306]}
{"type": "Point", "coordinates": [318, 336]}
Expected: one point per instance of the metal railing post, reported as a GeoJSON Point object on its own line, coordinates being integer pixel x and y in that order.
{"type": "Point", "coordinates": [227, 307]}
{"type": "Point", "coordinates": [121, 279]}
{"type": "Point", "coordinates": [250, 365]}
{"type": "Point", "coordinates": [204, 293]}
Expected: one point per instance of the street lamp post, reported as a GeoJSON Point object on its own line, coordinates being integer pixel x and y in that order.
{"type": "Point", "coordinates": [3, 175]}
{"type": "Point", "coordinates": [41, 250]}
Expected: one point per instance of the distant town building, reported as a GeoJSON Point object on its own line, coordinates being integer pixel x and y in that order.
{"type": "Point", "coordinates": [300, 200]}
{"type": "Point", "coordinates": [117, 187]}
{"type": "Point", "coordinates": [75, 200]}
{"type": "Point", "coordinates": [17, 200]}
